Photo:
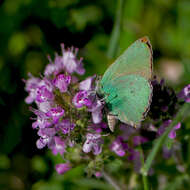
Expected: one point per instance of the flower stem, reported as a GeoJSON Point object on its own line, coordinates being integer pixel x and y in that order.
{"type": "Point", "coordinates": [160, 141]}
{"type": "Point", "coordinates": [144, 177]}
{"type": "Point", "coordinates": [145, 182]}
{"type": "Point", "coordinates": [111, 181]}
{"type": "Point", "coordinates": [114, 40]}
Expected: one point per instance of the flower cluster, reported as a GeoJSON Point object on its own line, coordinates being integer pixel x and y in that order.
{"type": "Point", "coordinates": [69, 115]}
{"type": "Point", "coordinates": [61, 102]}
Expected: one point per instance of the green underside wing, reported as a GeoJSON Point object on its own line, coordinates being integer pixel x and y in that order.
{"type": "Point", "coordinates": [126, 83]}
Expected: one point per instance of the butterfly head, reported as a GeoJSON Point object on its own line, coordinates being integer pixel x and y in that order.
{"type": "Point", "coordinates": [98, 86]}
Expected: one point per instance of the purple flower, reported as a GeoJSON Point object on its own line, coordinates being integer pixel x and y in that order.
{"type": "Point", "coordinates": [87, 84]}
{"type": "Point", "coordinates": [98, 174]}
{"type": "Point", "coordinates": [31, 97]}
{"type": "Point", "coordinates": [31, 86]}
{"type": "Point", "coordinates": [59, 146]}
{"type": "Point", "coordinates": [172, 134]}
{"type": "Point", "coordinates": [40, 90]}
{"type": "Point", "coordinates": [41, 143]}
{"type": "Point", "coordinates": [65, 126]}
{"type": "Point", "coordinates": [46, 137]}
{"type": "Point", "coordinates": [70, 62]}
{"type": "Point", "coordinates": [55, 114]}
{"type": "Point", "coordinates": [97, 127]}
{"type": "Point", "coordinates": [52, 69]}
{"type": "Point", "coordinates": [46, 132]}
{"type": "Point", "coordinates": [41, 123]}
{"type": "Point", "coordinates": [62, 168]}
{"type": "Point", "coordinates": [67, 62]}
{"type": "Point", "coordinates": [31, 83]}
{"type": "Point", "coordinates": [93, 143]}
{"type": "Point", "coordinates": [137, 140]}
{"type": "Point", "coordinates": [185, 93]}
{"type": "Point", "coordinates": [62, 81]}
{"type": "Point", "coordinates": [43, 94]}
{"type": "Point", "coordinates": [118, 146]}
{"type": "Point", "coordinates": [163, 127]}
{"type": "Point", "coordinates": [42, 120]}
{"type": "Point", "coordinates": [81, 99]}
{"type": "Point", "coordinates": [96, 110]}
{"type": "Point", "coordinates": [87, 96]}
{"type": "Point", "coordinates": [44, 106]}
{"type": "Point", "coordinates": [94, 105]}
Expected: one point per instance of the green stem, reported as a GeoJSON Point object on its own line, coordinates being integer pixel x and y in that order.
{"type": "Point", "coordinates": [145, 179]}
{"type": "Point", "coordinates": [114, 40]}
{"type": "Point", "coordinates": [145, 182]}
{"type": "Point", "coordinates": [111, 181]}
{"type": "Point", "coordinates": [159, 142]}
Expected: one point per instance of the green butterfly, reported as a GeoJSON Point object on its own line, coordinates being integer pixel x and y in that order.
{"type": "Point", "coordinates": [126, 87]}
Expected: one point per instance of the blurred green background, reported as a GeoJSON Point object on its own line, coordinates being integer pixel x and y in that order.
{"type": "Point", "coordinates": [32, 29]}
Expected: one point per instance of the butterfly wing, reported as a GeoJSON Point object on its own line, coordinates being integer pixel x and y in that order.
{"type": "Point", "coordinates": [128, 98]}
{"type": "Point", "coordinates": [126, 85]}
{"type": "Point", "coordinates": [137, 59]}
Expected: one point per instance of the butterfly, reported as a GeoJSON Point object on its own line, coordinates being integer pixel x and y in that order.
{"type": "Point", "coordinates": [126, 87]}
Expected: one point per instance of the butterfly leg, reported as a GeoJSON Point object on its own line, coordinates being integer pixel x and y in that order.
{"type": "Point", "coordinates": [102, 100]}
